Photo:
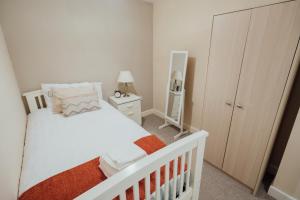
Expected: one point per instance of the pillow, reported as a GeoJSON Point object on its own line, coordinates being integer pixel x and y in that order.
{"type": "Point", "coordinates": [47, 87]}
{"type": "Point", "coordinates": [80, 104]}
{"type": "Point", "coordinates": [60, 93]}
{"type": "Point", "coordinates": [98, 88]}
{"type": "Point", "coordinates": [47, 90]}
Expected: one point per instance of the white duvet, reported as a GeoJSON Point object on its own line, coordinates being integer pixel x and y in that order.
{"type": "Point", "coordinates": [55, 143]}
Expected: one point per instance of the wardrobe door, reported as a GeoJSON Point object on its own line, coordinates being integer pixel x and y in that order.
{"type": "Point", "coordinates": [226, 52]}
{"type": "Point", "coordinates": [271, 44]}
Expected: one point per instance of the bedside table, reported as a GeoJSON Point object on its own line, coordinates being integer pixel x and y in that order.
{"type": "Point", "coordinates": [129, 106]}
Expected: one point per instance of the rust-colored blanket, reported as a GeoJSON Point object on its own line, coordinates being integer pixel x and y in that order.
{"type": "Point", "coordinates": [73, 182]}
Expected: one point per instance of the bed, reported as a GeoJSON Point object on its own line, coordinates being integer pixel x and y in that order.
{"type": "Point", "coordinates": [69, 142]}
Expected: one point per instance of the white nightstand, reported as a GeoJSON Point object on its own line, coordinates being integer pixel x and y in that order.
{"type": "Point", "coordinates": [129, 106]}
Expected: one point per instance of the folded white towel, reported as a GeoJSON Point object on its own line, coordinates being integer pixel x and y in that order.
{"type": "Point", "coordinates": [107, 166]}
{"type": "Point", "coordinates": [123, 156]}
{"type": "Point", "coordinates": [117, 159]}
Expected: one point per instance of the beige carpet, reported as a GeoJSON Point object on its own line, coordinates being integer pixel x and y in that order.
{"type": "Point", "coordinates": [215, 185]}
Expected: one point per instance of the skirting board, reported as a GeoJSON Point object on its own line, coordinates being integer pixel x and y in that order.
{"type": "Point", "coordinates": [279, 194]}
{"type": "Point", "coordinates": [162, 115]}
{"type": "Point", "coordinates": [147, 112]}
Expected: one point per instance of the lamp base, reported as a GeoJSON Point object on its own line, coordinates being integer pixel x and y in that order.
{"type": "Point", "coordinates": [126, 95]}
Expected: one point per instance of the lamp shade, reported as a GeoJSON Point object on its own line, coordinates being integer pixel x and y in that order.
{"type": "Point", "coordinates": [177, 75]}
{"type": "Point", "coordinates": [125, 77]}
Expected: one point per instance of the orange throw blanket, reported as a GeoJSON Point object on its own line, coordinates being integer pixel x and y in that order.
{"type": "Point", "coordinates": [73, 182]}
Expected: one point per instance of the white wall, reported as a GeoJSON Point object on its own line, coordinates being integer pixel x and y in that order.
{"type": "Point", "coordinates": [287, 179]}
{"type": "Point", "coordinates": [80, 40]}
{"type": "Point", "coordinates": [12, 127]}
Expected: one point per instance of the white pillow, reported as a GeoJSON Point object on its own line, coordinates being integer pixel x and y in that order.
{"type": "Point", "coordinates": [98, 88]}
{"type": "Point", "coordinates": [47, 88]}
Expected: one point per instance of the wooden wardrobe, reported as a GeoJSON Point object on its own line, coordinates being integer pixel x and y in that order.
{"type": "Point", "coordinates": [251, 55]}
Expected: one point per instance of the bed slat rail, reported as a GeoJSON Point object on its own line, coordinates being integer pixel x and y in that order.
{"type": "Point", "coordinates": [167, 180]}
{"type": "Point", "coordinates": [174, 178]}
{"type": "Point", "coordinates": [182, 174]}
{"type": "Point", "coordinates": [34, 100]}
{"type": "Point", "coordinates": [191, 147]}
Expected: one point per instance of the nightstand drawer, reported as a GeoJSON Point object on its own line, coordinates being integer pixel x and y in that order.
{"type": "Point", "coordinates": [129, 106]}
{"type": "Point", "coordinates": [132, 115]}
{"type": "Point", "coordinates": [132, 110]}
{"type": "Point", "coordinates": [134, 106]}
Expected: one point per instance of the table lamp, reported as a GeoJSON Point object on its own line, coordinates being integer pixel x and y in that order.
{"type": "Point", "coordinates": [125, 77]}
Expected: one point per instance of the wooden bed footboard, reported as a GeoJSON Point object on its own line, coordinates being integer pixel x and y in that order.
{"type": "Point", "coordinates": [189, 151]}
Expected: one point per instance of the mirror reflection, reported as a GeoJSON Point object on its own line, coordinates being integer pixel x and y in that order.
{"type": "Point", "coordinates": [176, 80]}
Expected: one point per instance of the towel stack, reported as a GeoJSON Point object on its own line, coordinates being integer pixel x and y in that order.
{"type": "Point", "coordinates": [117, 159]}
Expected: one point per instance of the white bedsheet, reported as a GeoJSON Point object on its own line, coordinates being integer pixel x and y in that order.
{"type": "Point", "coordinates": [55, 143]}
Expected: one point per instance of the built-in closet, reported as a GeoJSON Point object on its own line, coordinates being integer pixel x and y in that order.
{"type": "Point", "coordinates": [250, 59]}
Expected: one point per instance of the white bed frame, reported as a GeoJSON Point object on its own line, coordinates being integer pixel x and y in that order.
{"type": "Point", "coordinates": [190, 149]}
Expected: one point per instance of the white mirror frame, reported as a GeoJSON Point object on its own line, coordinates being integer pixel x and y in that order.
{"type": "Point", "coordinates": [178, 123]}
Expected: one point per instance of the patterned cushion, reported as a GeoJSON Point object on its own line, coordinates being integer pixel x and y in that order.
{"type": "Point", "coordinates": [80, 104]}
{"type": "Point", "coordinates": [60, 93]}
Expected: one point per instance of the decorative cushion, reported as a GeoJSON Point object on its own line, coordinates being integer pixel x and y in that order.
{"type": "Point", "coordinates": [47, 90]}
{"type": "Point", "coordinates": [48, 87]}
{"type": "Point", "coordinates": [80, 104]}
{"type": "Point", "coordinates": [60, 93]}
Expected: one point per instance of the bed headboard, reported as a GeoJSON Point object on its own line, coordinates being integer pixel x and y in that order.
{"type": "Point", "coordinates": [34, 100]}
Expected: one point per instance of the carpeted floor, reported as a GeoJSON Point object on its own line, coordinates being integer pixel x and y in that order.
{"type": "Point", "coordinates": [215, 184]}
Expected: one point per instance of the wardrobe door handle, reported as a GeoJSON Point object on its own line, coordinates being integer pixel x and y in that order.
{"type": "Point", "coordinates": [228, 103]}
{"type": "Point", "coordinates": [239, 106]}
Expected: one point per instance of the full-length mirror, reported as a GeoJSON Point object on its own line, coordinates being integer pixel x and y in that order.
{"type": "Point", "coordinates": [176, 81]}
{"type": "Point", "coordinates": [175, 89]}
